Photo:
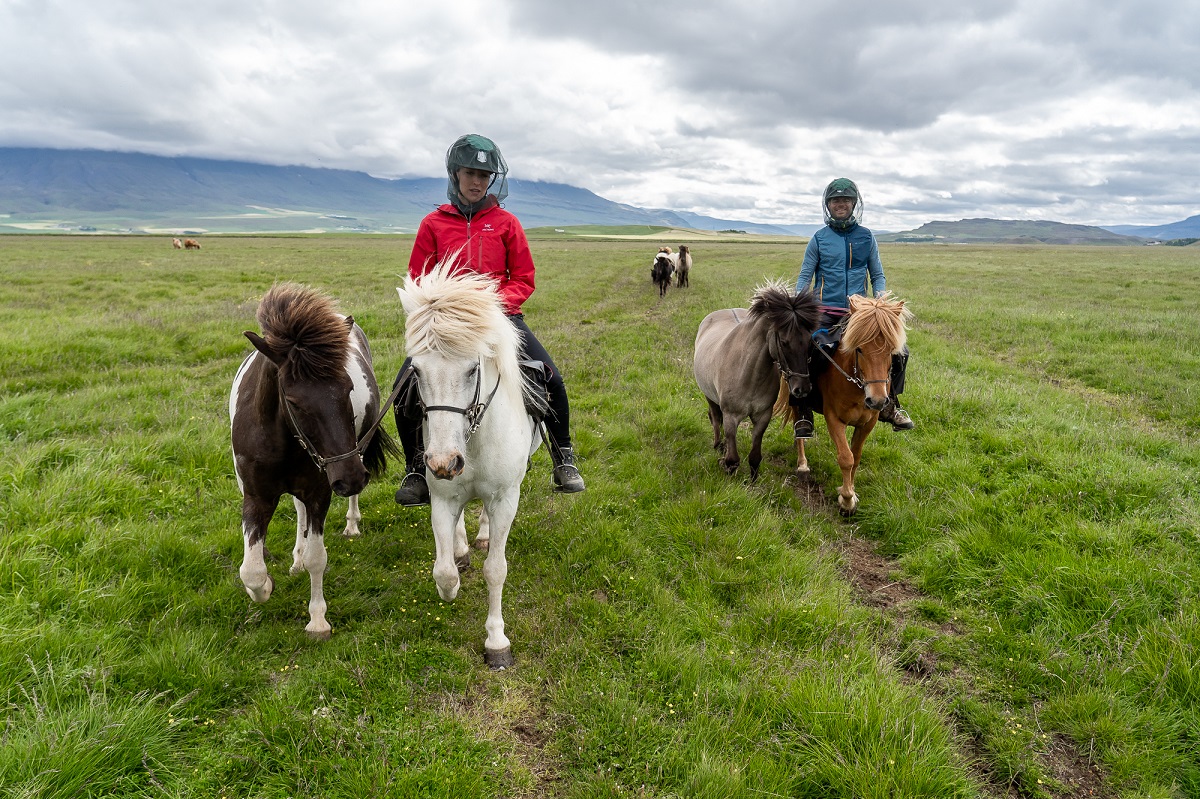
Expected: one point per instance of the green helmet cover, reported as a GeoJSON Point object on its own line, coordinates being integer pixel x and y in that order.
{"type": "Point", "coordinates": [475, 152]}
{"type": "Point", "coordinates": [842, 187]}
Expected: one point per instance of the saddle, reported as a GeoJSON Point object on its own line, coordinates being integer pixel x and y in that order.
{"type": "Point", "coordinates": [828, 339]}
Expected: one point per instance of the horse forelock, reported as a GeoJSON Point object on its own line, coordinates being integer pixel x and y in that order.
{"type": "Point", "coordinates": [785, 311]}
{"type": "Point", "coordinates": [461, 315]}
{"type": "Point", "coordinates": [303, 324]}
{"type": "Point", "coordinates": [877, 318]}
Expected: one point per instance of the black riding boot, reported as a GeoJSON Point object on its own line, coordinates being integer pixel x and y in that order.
{"type": "Point", "coordinates": [892, 413]}
{"type": "Point", "coordinates": [803, 426]}
{"type": "Point", "coordinates": [413, 491]}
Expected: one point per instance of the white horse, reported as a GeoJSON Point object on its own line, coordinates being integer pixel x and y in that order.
{"type": "Point", "coordinates": [478, 435]}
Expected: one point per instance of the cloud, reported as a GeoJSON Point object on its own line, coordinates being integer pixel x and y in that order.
{"type": "Point", "coordinates": [1062, 109]}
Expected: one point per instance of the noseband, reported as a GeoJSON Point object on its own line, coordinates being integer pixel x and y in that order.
{"type": "Point", "coordinates": [473, 413]}
{"type": "Point", "coordinates": [788, 374]}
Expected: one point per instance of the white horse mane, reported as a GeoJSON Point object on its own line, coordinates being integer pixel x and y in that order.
{"type": "Point", "coordinates": [459, 314]}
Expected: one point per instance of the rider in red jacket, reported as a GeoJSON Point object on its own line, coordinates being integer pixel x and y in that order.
{"type": "Point", "coordinates": [486, 239]}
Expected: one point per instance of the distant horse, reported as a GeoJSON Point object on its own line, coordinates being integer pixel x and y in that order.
{"type": "Point", "coordinates": [683, 265]}
{"type": "Point", "coordinates": [301, 412]}
{"type": "Point", "coordinates": [741, 356]}
{"type": "Point", "coordinates": [661, 271]}
{"type": "Point", "coordinates": [177, 244]}
{"type": "Point", "coordinates": [478, 434]}
{"type": "Point", "coordinates": [191, 244]}
{"type": "Point", "coordinates": [854, 386]}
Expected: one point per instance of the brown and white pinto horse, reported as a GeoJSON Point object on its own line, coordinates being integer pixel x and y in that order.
{"type": "Point", "coordinates": [854, 384]}
{"type": "Point", "coordinates": [303, 412]}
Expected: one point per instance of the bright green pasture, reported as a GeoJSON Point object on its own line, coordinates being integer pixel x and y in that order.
{"type": "Point", "coordinates": [678, 632]}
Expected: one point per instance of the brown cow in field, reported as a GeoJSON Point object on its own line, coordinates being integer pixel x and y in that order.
{"type": "Point", "coordinates": [177, 244]}
{"type": "Point", "coordinates": [191, 244]}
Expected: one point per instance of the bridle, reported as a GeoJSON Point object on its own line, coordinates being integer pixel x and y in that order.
{"type": "Point", "coordinates": [788, 374]}
{"type": "Point", "coordinates": [307, 445]}
{"type": "Point", "coordinates": [855, 380]}
{"type": "Point", "coordinates": [473, 413]}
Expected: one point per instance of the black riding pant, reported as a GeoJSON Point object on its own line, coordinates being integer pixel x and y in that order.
{"type": "Point", "coordinates": [558, 419]}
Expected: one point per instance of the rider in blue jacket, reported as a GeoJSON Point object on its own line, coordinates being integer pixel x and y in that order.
{"type": "Point", "coordinates": [841, 259]}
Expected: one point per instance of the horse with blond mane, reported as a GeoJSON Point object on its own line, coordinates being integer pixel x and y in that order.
{"type": "Point", "coordinates": [853, 388]}
{"type": "Point", "coordinates": [473, 398]}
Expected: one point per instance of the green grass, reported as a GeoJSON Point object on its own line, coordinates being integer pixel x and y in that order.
{"type": "Point", "coordinates": [678, 632]}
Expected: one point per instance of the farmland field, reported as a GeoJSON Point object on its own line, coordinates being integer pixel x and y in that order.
{"type": "Point", "coordinates": [1014, 611]}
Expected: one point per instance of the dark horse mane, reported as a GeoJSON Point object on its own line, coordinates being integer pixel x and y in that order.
{"type": "Point", "coordinates": [301, 324]}
{"type": "Point", "coordinates": [785, 311]}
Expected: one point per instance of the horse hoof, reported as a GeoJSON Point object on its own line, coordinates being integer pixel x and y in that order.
{"type": "Point", "coordinates": [320, 634]}
{"type": "Point", "coordinates": [463, 562]}
{"type": "Point", "coordinates": [498, 659]}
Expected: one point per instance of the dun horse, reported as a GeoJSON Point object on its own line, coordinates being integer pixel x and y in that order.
{"type": "Point", "coordinates": [478, 434]}
{"type": "Point", "coordinates": [854, 384]}
{"type": "Point", "coordinates": [683, 266]}
{"type": "Point", "coordinates": [301, 413]}
{"type": "Point", "coordinates": [742, 355]}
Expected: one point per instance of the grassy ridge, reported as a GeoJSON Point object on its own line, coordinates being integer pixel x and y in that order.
{"type": "Point", "coordinates": [678, 633]}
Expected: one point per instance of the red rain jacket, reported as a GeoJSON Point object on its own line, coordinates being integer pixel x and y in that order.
{"type": "Point", "coordinates": [493, 243]}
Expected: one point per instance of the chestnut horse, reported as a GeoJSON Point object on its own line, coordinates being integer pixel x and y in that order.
{"type": "Point", "coordinates": [854, 384]}
{"type": "Point", "coordinates": [191, 244]}
{"type": "Point", "coordinates": [743, 357]}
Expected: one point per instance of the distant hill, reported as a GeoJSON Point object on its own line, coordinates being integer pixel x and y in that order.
{"type": "Point", "coordinates": [92, 190]}
{"type": "Point", "coordinates": [1187, 229]}
{"type": "Point", "coordinates": [1000, 231]}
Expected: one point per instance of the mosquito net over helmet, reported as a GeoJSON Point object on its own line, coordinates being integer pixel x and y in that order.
{"type": "Point", "coordinates": [476, 152]}
{"type": "Point", "coordinates": [842, 187]}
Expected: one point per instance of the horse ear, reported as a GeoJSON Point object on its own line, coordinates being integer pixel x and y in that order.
{"type": "Point", "coordinates": [262, 346]}
{"type": "Point", "coordinates": [406, 301]}
{"type": "Point", "coordinates": [350, 322]}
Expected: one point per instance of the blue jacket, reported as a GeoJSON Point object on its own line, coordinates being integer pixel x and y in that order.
{"type": "Point", "coordinates": [838, 264]}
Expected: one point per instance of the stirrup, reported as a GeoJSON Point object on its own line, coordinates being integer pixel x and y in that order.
{"type": "Point", "coordinates": [413, 491]}
{"type": "Point", "coordinates": [897, 417]}
{"type": "Point", "coordinates": [567, 479]}
{"type": "Point", "coordinates": [803, 428]}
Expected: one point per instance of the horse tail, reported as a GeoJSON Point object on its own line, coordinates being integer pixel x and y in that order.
{"type": "Point", "coordinates": [783, 408]}
{"type": "Point", "coordinates": [381, 446]}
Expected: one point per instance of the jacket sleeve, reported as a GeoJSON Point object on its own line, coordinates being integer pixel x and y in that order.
{"type": "Point", "coordinates": [518, 282]}
{"type": "Point", "coordinates": [812, 256]}
{"type": "Point", "coordinates": [424, 251]}
{"type": "Point", "coordinates": [875, 267]}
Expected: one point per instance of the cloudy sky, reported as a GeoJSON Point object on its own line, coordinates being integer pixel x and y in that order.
{"type": "Point", "coordinates": [1081, 111]}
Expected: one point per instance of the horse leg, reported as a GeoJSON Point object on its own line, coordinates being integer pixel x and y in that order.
{"type": "Point", "coordinates": [715, 417]}
{"type": "Point", "coordinates": [731, 458]}
{"type": "Point", "coordinates": [315, 560]}
{"type": "Point", "coordinates": [301, 537]}
{"type": "Point", "coordinates": [755, 456]}
{"type": "Point", "coordinates": [801, 459]}
{"type": "Point", "coordinates": [256, 515]}
{"type": "Point", "coordinates": [856, 444]}
{"type": "Point", "coordinates": [353, 516]}
{"type": "Point", "coordinates": [497, 650]}
{"type": "Point", "coordinates": [847, 499]}
{"type": "Point", "coordinates": [462, 552]}
{"type": "Point", "coordinates": [483, 537]}
{"type": "Point", "coordinates": [444, 515]}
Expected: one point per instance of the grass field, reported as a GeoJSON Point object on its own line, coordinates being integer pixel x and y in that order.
{"type": "Point", "coordinates": [1014, 611]}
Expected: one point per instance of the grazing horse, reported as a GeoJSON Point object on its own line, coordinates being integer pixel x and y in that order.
{"type": "Point", "coordinates": [301, 414]}
{"type": "Point", "coordinates": [191, 244]}
{"type": "Point", "coordinates": [661, 271]}
{"type": "Point", "coordinates": [741, 356]}
{"type": "Point", "coordinates": [478, 433]}
{"type": "Point", "coordinates": [177, 244]}
{"type": "Point", "coordinates": [683, 265]}
{"type": "Point", "coordinates": [854, 385]}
